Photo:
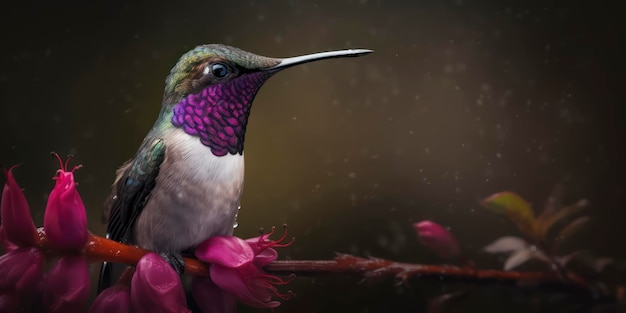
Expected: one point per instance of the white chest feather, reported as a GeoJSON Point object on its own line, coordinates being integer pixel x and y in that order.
{"type": "Point", "coordinates": [188, 150]}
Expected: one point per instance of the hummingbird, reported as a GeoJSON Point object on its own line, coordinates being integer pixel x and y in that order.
{"type": "Point", "coordinates": [185, 182]}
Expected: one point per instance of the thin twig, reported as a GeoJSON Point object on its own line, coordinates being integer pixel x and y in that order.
{"type": "Point", "coordinates": [375, 268]}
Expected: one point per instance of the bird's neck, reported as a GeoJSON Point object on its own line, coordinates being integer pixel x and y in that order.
{"type": "Point", "coordinates": [218, 114]}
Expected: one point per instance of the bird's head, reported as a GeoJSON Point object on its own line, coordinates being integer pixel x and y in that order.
{"type": "Point", "coordinates": [209, 91]}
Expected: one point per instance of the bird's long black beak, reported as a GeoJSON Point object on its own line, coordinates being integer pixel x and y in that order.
{"type": "Point", "coordinates": [288, 62]}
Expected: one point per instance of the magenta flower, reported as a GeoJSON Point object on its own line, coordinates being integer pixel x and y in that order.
{"type": "Point", "coordinates": [9, 302]}
{"type": "Point", "coordinates": [236, 267]}
{"type": "Point", "coordinates": [433, 236]}
{"type": "Point", "coordinates": [65, 220]}
{"type": "Point", "coordinates": [15, 214]}
{"type": "Point", "coordinates": [66, 287]}
{"type": "Point", "coordinates": [20, 271]}
{"type": "Point", "coordinates": [156, 287]}
{"type": "Point", "coordinates": [115, 298]}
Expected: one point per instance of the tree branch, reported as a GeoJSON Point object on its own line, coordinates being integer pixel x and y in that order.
{"type": "Point", "coordinates": [100, 249]}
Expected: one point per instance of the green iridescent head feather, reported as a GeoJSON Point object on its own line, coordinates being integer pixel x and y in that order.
{"type": "Point", "coordinates": [189, 62]}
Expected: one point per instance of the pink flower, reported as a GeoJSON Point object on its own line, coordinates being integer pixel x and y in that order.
{"type": "Point", "coordinates": [236, 267]}
{"type": "Point", "coordinates": [115, 298]}
{"type": "Point", "coordinates": [15, 214]}
{"type": "Point", "coordinates": [67, 285]}
{"type": "Point", "coordinates": [156, 287]}
{"type": "Point", "coordinates": [8, 246]}
{"type": "Point", "coordinates": [20, 270]}
{"type": "Point", "coordinates": [65, 220]}
{"type": "Point", "coordinates": [438, 239]}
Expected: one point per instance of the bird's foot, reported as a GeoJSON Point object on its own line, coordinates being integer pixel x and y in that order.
{"type": "Point", "coordinates": [175, 260]}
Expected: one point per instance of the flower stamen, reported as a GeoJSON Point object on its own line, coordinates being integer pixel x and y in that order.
{"type": "Point", "coordinates": [61, 165]}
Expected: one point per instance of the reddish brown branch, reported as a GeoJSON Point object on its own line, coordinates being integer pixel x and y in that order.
{"type": "Point", "coordinates": [101, 249]}
{"type": "Point", "coordinates": [375, 268]}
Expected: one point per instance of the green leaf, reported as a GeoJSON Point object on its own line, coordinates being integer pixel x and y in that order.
{"type": "Point", "coordinates": [515, 208]}
{"type": "Point", "coordinates": [548, 218]}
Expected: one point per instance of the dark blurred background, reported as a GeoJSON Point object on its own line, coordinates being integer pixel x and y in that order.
{"type": "Point", "coordinates": [455, 104]}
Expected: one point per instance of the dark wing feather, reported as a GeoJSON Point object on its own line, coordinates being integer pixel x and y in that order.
{"type": "Point", "coordinates": [132, 192]}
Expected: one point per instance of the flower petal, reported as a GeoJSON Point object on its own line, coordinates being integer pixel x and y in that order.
{"type": "Point", "coordinates": [156, 287]}
{"type": "Point", "coordinates": [227, 251]}
{"type": "Point", "coordinates": [65, 220]}
{"type": "Point", "coordinates": [241, 286]}
{"type": "Point", "coordinates": [254, 242]}
{"type": "Point", "coordinates": [8, 246]}
{"type": "Point", "coordinates": [9, 302]}
{"type": "Point", "coordinates": [15, 214]}
{"type": "Point", "coordinates": [265, 257]}
{"type": "Point", "coordinates": [20, 270]}
{"type": "Point", "coordinates": [211, 298]}
{"type": "Point", "coordinates": [433, 236]}
{"type": "Point", "coordinates": [113, 299]}
{"type": "Point", "coordinates": [67, 285]}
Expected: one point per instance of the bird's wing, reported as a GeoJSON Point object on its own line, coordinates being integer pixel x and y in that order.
{"type": "Point", "coordinates": [135, 180]}
{"type": "Point", "coordinates": [133, 191]}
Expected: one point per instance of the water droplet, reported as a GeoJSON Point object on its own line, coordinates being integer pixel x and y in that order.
{"type": "Point", "coordinates": [236, 223]}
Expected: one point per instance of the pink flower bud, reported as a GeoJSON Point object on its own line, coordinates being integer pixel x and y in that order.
{"type": "Point", "coordinates": [65, 220]}
{"type": "Point", "coordinates": [156, 287]}
{"type": "Point", "coordinates": [117, 297]}
{"type": "Point", "coordinates": [438, 239]}
{"type": "Point", "coordinates": [67, 285]}
{"type": "Point", "coordinates": [15, 214]}
{"type": "Point", "coordinates": [113, 299]}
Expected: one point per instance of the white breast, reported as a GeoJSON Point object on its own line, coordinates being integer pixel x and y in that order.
{"type": "Point", "coordinates": [196, 196]}
{"type": "Point", "coordinates": [190, 150]}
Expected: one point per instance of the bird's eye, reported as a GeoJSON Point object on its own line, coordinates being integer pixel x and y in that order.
{"type": "Point", "coordinates": [219, 70]}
